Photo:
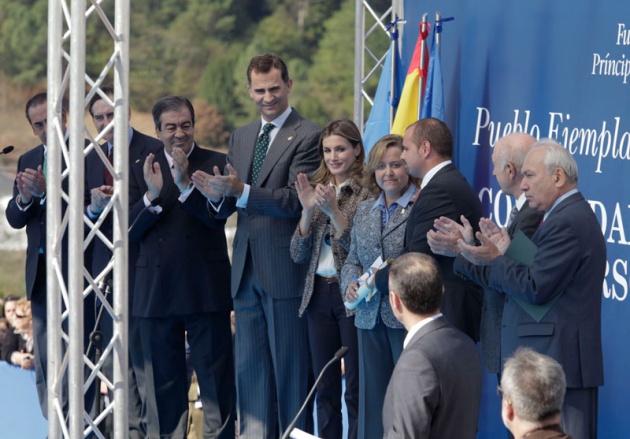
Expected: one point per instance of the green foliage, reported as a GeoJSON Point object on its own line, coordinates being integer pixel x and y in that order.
{"type": "Point", "coordinates": [201, 49]}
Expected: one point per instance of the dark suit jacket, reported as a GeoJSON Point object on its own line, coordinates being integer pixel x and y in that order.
{"type": "Point", "coordinates": [34, 218]}
{"type": "Point", "coordinates": [570, 262]}
{"type": "Point", "coordinates": [447, 194]}
{"type": "Point", "coordinates": [140, 147]}
{"type": "Point", "coordinates": [527, 220]}
{"type": "Point", "coordinates": [435, 389]}
{"type": "Point", "coordinates": [266, 225]}
{"type": "Point", "coordinates": [183, 266]}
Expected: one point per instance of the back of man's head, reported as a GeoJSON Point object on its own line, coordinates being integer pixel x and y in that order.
{"type": "Point", "coordinates": [513, 148]}
{"type": "Point", "coordinates": [437, 133]}
{"type": "Point", "coordinates": [533, 384]}
{"type": "Point", "coordinates": [417, 280]}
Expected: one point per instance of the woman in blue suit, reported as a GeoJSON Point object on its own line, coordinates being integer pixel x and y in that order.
{"type": "Point", "coordinates": [378, 231]}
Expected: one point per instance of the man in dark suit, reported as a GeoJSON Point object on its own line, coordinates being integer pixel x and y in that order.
{"type": "Point", "coordinates": [532, 390]}
{"type": "Point", "coordinates": [28, 208]}
{"type": "Point", "coordinates": [435, 389]}
{"type": "Point", "coordinates": [560, 292]}
{"type": "Point", "coordinates": [507, 157]}
{"type": "Point", "coordinates": [428, 148]}
{"type": "Point", "coordinates": [264, 160]}
{"type": "Point", "coordinates": [99, 181]}
{"type": "Point", "coordinates": [182, 280]}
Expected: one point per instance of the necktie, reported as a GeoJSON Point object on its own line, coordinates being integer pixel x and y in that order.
{"type": "Point", "coordinates": [109, 180]}
{"type": "Point", "coordinates": [513, 214]}
{"type": "Point", "coordinates": [44, 164]}
{"type": "Point", "coordinates": [260, 151]}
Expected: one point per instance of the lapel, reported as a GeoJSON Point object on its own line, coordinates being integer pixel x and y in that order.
{"type": "Point", "coordinates": [436, 324]}
{"type": "Point", "coordinates": [244, 151]}
{"type": "Point", "coordinates": [285, 137]}
{"type": "Point", "coordinates": [399, 217]}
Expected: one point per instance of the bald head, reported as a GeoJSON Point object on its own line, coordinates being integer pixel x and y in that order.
{"type": "Point", "coordinates": [508, 157]}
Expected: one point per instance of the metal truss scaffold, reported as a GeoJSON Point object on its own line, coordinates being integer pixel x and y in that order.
{"type": "Point", "coordinates": [72, 370]}
{"type": "Point", "coordinates": [370, 24]}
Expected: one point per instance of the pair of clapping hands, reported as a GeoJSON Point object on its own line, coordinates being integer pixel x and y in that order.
{"type": "Point", "coordinates": [450, 238]}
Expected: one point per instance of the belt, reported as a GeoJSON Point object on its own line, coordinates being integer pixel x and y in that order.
{"type": "Point", "coordinates": [328, 280]}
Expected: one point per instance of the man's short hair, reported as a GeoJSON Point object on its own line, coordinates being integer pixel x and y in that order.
{"type": "Point", "coordinates": [436, 132]}
{"type": "Point", "coordinates": [558, 157]}
{"type": "Point", "coordinates": [171, 103]}
{"type": "Point", "coordinates": [107, 90]}
{"type": "Point", "coordinates": [264, 63]}
{"type": "Point", "coordinates": [35, 101]}
{"type": "Point", "coordinates": [417, 280]}
{"type": "Point", "coordinates": [533, 384]}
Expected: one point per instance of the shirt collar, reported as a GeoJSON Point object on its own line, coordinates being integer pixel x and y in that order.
{"type": "Point", "coordinates": [110, 146]}
{"type": "Point", "coordinates": [169, 159]}
{"type": "Point", "coordinates": [415, 328]}
{"type": "Point", "coordinates": [429, 175]}
{"type": "Point", "coordinates": [558, 201]}
{"type": "Point", "coordinates": [403, 201]}
{"type": "Point", "coordinates": [278, 121]}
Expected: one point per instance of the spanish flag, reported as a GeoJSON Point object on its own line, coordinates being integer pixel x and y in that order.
{"type": "Point", "coordinates": [409, 106]}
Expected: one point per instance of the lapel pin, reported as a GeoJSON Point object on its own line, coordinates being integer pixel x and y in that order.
{"type": "Point", "coordinates": [290, 138]}
{"type": "Point", "coordinates": [138, 161]}
{"type": "Point", "coordinates": [404, 211]}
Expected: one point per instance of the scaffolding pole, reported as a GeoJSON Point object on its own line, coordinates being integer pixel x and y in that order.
{"type": "Point", "coordinates": [66, 219]}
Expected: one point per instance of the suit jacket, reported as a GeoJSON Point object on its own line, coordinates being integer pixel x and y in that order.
{"type": "Point", "coordinates": [435, 389]}
{"type": "Point", "coordinates": [367, 243]}
{"type": "Point", "coordinates": [33, 218]}
{"type": "Point", "coordinates": [447, 194]}
{"type": "Point", "coordinates": [183, 266]}
{"type": "Point", "coordinates": [140, 147]}
{"type": "Point", "coordinates": [266, 225]}
{"type": "Point", "coordinates": [306, 249]}
{"type": "Point", "coordinates": [570, 261]}
{"type": "Point", "coordinates": [527, 220]}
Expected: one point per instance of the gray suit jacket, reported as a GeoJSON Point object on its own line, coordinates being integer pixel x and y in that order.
{"type": "Point", "coordinates": [266, 225]}
{"type": "Point", "coordinates": [306, 249]}
{"type": "Point", "coordinates": [435, 389]}
{"type": "Point", "coordinates": [367, 244]}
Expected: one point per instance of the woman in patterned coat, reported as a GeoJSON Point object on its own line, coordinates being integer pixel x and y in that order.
{"type": "Point", "coordinates": [378, 231]}
{"type": "Point", "coordinates": [322, 240]}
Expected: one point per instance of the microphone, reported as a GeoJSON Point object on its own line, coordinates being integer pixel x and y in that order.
{"type": "Point", "coordinates": [7, 149]}
{"type": "Point", "coordinates": [338, 356]}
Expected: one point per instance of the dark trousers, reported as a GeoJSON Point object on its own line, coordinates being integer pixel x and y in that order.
{"type": "Point", "coordinates": [329, 329]}
{"type": "Point", "coordinates": [379, 350]}
{"type": "Point", "coordinates": [579, 413]}
{"type": "Point", "coordinates": [165, 376]}
{"type": "Point", "coordinates": [271, 352]}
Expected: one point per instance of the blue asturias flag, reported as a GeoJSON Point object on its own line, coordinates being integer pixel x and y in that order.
{"type": "Point", "coordinates": [378, 123]}
{"type": "Point", "coordinates": [433, 103]}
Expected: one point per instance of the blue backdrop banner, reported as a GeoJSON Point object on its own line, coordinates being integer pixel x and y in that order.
{"type": "Point", "coordinates": [557, 69]}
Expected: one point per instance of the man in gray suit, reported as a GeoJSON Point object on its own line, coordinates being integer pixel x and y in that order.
{"type": "Point", "coordinates": [507, 158]}
{"type": "Point", "coordinates": [435, 389]}
{"type": "Point", "coordinates": [263, 162]}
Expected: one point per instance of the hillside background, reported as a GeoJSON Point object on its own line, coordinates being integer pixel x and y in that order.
{"type": "Point", "coordinates": [196, 48]}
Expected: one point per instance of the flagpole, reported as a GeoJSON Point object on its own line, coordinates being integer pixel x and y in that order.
{"type": "Point", "coordinates": [423, 49]}
{"type": "Point", "coordinates": [438, 30]}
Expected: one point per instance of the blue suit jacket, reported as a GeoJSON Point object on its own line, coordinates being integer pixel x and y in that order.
{"type": "Point", "coordinates": [183, 266]}
{"type": "Point", "coordinates": [570, 261]}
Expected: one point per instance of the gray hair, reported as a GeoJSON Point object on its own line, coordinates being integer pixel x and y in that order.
{"type": "Point", "coordinates": [534, 384]}
{"type": "Point", "coordinates": [513, 148]}
{"type": "Point", "coordinates": [558, 157]}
